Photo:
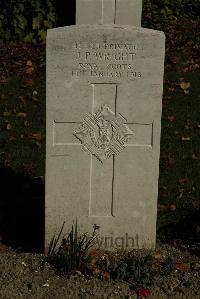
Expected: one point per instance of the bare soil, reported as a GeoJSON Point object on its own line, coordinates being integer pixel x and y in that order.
{"type": "Point", "coordinates": [27, 276]}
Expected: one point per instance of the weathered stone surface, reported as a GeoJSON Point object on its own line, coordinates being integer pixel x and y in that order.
{"type": "Point", "coordinates": [121, 12]}
{"type": "Point", "coordinates": [90, 68]}
{"type": "Point", "coordinates": [128, 12]}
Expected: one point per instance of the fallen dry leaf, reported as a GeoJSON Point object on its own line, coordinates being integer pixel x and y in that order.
{"type": "Point", "coordinates": [183, 267]}
{"type": "Point", "coordinates": [21, 114]}
{"type": "Point", "coordinates": [4, 80]}
{"type": "Point", "coordinates": [185, 138]}
{"type": "Point", "coordinates": [96, 270]}
{"type": "Point", "coordinates": [28, 82]}
{"type": "Point", "coordinates": [186, 91]}
{"type": "Point", "coordinates": [94, 257]}
{"type": "Point", "coordinates": [194, 157]}
{"type": "Point", "coordinates": [196, 66]}
{"type": "Point", "coordinates": [30, 70]}
{"type": "Point", "coordinates": [185, 70]}
{"type": "Point", "coordinates": [38, 145]}
{"type": "Point", "coordinates": [171, 161]}
{"type": "Point", "coordinates": [168, 98]}
{"type": "Point", "coordinates": [26, 123]}
{"type": "Point", "coordinates": [3, 248]}
{"type": "Point", "coordinates": [37, 136]}
{"type": "Point", "coordinates": [180, 195]}
{"type": "Point", "coordinates": [182, 181]}
{"type": "Point", "coordinates": [35, 100]}
{"type": "Point", "coordinates": [8, 127]}
{"type": "Point", "coordinates": [106, 276]}
{"type": "Point", "coordinates": [162, 207]}
{"type": "Point", "coordinates": [22, 99]}
{"type": "Point", "coordinates": [158, 256]}
{"type": "Point", "coordinates": [196, 204]}
{"type": "Point", "coordinates": [185, 85]}
{"type": "Point", "coordinates": [6, 114]}
{"type": "Point", "coordinates": [171, 118]}
{"type": "Point", "coordinates": [78, 272]}
{"type": "Point", "coordinates": [29, 63]}
{"type": "Point", "coordinates": [166, 194]}
{"type": "Point", "coordinates": [96, 254]}
{"type": "Point", "coordinates": [106, 260]}
{"type": "Point", "coordinates": [90, 266]}
{"type": "Point", "coordinates": [172, 207]}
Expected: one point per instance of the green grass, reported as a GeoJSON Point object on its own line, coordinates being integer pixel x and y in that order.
{"type": "Point", "coordinates": [70, 252]}
{"type": "Point", "coordinates": [185, 108]}
{"type": "Point", "coordinates": [19, 150]}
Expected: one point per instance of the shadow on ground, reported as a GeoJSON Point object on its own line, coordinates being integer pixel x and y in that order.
{"type": "Point", "coordinates": [22, 216]}
{"type": "Point", "coordinates": [184, 234]}
{"type": "Point", "coordinates": [66, 11]}
{"type": "Point", "coordinates": [21, 211]}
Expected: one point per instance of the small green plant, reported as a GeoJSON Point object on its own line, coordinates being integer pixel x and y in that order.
{"type": "Point", "coordinates": [169, 8]}
{"type": "Point", "coordinates": [136, 270]}
{"type": "Point", "coordinates": [72, 253]}
{"type": "Point", "coordinates": [167, 266]}
{"type": "Point", "coordinates": [54, 242]}
{"type": "Point", "coordinates": [26, 20]}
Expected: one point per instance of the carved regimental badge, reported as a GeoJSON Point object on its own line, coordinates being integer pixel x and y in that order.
{"type": "Point", "coordinates": [103, 134]}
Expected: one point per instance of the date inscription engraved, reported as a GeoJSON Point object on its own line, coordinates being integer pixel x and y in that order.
{"type": "Point", "coordinates": [103, 134]}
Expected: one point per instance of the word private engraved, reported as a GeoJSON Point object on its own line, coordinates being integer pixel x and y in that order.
{"type": "Point", "coordinates": [103, 134]}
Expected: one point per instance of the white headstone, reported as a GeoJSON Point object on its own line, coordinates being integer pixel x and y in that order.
{"type": "Point", "coordinates": [122, 12]}
{"type": "Point", "coordinates": [104, 103]}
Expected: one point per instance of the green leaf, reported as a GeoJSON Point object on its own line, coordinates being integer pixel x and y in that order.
{"type": "Point", "coordinates": [21, 22]}
{"type": "Point", "coordinates": [42, 34]}
{"type": "Point", "coordinates": [36, 23]}
{"type": "Point", "coordinates": [28, 38]}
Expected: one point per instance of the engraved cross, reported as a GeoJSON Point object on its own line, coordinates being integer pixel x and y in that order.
{"type": "Point", "coordinates": [102, 175]}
